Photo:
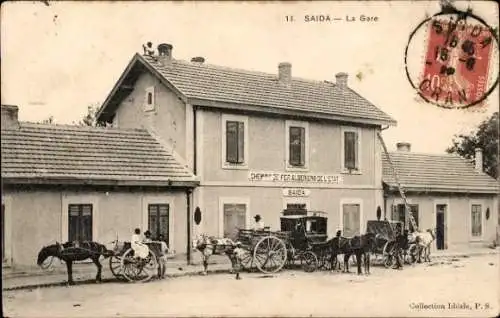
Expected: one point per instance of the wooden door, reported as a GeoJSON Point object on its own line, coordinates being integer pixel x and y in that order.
{"type": "Point", "coordinates": [234, 219]}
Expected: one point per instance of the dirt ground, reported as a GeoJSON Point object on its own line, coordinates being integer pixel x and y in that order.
{"type": "Point", "coordinates": [470, 285]}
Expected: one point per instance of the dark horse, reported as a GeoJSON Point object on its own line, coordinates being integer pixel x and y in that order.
{"type": "Point", "coordinates": [75, 251]}
{"type": "Point", "coordinates": [360, 245]}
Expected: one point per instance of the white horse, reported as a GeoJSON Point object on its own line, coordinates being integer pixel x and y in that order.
{"type": "Point", "coordinates": [210, 245]}
{"type": "Point", "coordinates": [423, 241]}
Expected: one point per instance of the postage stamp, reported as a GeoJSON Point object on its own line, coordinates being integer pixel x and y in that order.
{"type": "Point", "coordinates": [456, 68]}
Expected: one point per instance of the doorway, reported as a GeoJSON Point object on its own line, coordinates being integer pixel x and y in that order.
{"type": "Point", "coordinates": [441, 211]}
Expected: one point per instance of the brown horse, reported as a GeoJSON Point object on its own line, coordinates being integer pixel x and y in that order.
{"type": "Point", "coordinates": [70, 252]}
{"type": "Point", "coordinates": [360, 245]}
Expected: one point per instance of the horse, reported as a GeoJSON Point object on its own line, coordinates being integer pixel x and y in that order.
{"type": "Point", "coordinates": [360, 245]}
{"type": "Point", "coordinates": [209, 245]}
{"type": "Point", "coordinates": [424, 241]}
{"type": "Point", "coordinates": [75, 251]}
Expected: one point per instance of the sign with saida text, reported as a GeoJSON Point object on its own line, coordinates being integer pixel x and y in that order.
{"type": "Point", "coordinates": [296, 192]}
{"type": "Point", "coordinates": [294, 177]}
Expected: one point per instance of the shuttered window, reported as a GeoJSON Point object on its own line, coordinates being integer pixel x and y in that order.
{"type": "Point", "coordinates": [476, 220]}
{"type": "Point", "coordinates": [297, 146]}
{"type": "Point", "coordinates": [351, 150]}
{"type": "Point", "coordinates": [235, 141]}
{"type": "Point", "coordinates": [351, 220]}
{"type": "Point", "coordinates": [158, 221]}
{"type": "Point", "coordinates": [80, 222]}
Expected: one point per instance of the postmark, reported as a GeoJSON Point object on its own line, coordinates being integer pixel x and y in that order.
{"type": "Point", "coordinates": [456, 67]}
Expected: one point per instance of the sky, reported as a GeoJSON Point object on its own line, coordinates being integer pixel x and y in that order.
{"type": "Point", "coordinates": [57, 59]}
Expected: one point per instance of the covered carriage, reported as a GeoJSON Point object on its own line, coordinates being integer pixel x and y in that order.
{"type": "Point", "coordinates": [301, 238]}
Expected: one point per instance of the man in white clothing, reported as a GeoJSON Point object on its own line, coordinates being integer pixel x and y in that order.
{"type": "Point", "coordinates": [141, 250]}
{"type": "Point", "coordinates": [259, 224]}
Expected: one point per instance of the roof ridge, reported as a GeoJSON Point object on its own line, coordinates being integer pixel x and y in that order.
{"type": "Point", "coordinates": [453, 155]}
{"type": "Point", "coordinates": [28, 124]}
{"type": "Point", "coordinates": [242, 70]}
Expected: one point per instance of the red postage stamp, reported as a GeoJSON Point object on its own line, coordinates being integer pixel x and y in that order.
{"type": "Point", "coordinates": [457, 60]}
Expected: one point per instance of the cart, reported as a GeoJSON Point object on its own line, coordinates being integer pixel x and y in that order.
{"type": "Point", "coordinates": [385, 239]}
{"type": "Point", "coordinates": [301, 239]}
{"type": "Point", "coordinates": [125, 266]}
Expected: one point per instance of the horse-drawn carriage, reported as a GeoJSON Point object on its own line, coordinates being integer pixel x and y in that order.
{"type": "Point", "coordinates": [124, 264]}
{"type": "Point", "coordinates": [385, 237]}
{"type": "Point", "coordinates": [302, 238]}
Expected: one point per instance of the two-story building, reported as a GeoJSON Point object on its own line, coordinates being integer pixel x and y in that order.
{"type": "Point", "coordinates": [258, 142]}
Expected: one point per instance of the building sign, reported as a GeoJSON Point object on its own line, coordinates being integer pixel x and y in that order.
{"type": "Point", "coordinates": [296, 192]}
{"type": "Point", "coordinates": [294, 177]}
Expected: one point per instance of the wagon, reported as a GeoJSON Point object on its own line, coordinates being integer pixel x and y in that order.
{"type": "Point", "coordinates": [124, 265]}
{"type": "Point", "coordinates": [301, 239]}
{"type": "Point", "coordinates": [386, 232]}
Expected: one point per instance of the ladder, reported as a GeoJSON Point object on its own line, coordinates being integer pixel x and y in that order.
{"type": "Point", "coordinates": [400, 188]}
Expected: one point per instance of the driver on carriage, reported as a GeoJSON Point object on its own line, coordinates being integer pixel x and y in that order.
{"type": "Point", "coordinates": [141, 250]}
{"type": "Point", "coordinates": [259, 224]}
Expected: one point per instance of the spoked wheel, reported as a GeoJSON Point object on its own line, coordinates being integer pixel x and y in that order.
{"type": "Point", "coordinates": [326, 261]}
{"type": "Point", "coordinates": [115, 265]}
{"type": "Point", "coordinates": [247, 260]}
{"type": "Point", "coordinates": [270, 254]}
{"type": "Point", "coordinates": [309, 261]}
{"type": "Point", "coordinates": [411, 254]}
{"type": "Point", "coordinates": [389, 255]}
{"type": "Point", "coordinates": [139, 270]}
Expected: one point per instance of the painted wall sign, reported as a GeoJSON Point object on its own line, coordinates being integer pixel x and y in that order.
{"type": "Point", "coordinates": [294, 177]}
{"type": "Point", "coordinates": [296, 192]}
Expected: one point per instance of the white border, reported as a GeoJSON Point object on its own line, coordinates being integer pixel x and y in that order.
{"type": "Point", "coordinates": [305, 125]}
{"type": "Point", "coordinates": [361, 214]}
{"type": "Point", "coordinates": [68, 199]}
{"type": "Point", "coordinates": [447, 218]}
{"type": "Point", "coordinates": [7, 226]}
{"type": "Point", "coordinates": [469, 221]}
{"type": "Point", "coordinates": [160, 199]}
{"type": "Point", "coordinates": [359, 148]}
{"type": "Point", "coordinates": [225, 164]}
{"type": "Point", "coordinates": [232, 200]}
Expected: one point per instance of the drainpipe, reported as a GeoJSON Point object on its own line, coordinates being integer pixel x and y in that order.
{"type": "Point", "coordinates": [194, 140]}
{"type": "Point", "coordinates": [188, 215]}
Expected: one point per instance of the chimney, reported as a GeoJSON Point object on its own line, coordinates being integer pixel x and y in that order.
{"type": "Point", "coordinates": [198, 59]}
{"type": "Point", "coordinates": [165, 53]}
{"type": "Point", "coordinates": [403, 146]}
{"type": "Point", "coordinates": [10, 117]}
{"type": "Point", "coordinates": [285, 73]}
{"type": "Point", "coordinates": [479, 160]}
{"type": "Point", "coordinates": [341, 80]}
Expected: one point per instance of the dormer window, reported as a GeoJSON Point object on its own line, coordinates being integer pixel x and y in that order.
{"type": "Point", "coordinates": [149, 103]}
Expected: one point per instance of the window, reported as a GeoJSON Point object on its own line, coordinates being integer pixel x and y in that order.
{"type": "Point", "coordinates": [296, 206]}
{"type": "Point", "coordinates": [234, 218]}
{"type": "Point", "coordinates": [158, 221]}
{"type": "Point", "coordinates": [351, 150]}
{"type": "Point", "coordinates": [297, 146]}
{"type": "Point", "coordinates": [80, 222]}
{"type": "Point", "coordinates": [235, 142]}
{"type": "Point", "coordinates": [297, 151]}
{"type": "Point", "coordinates": [476, 220]}
{"type": "Point", "coordinates": [351, 219]}
{"type": "Point", "coordinates": [149, 103]}
{"type": "Point", "coordinates": [398, 214]}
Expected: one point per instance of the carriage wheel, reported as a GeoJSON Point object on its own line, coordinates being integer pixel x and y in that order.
{"type": "Point", "coordinates": [140, 270]}
{"type": "Point", "coordinates": [411, 254]}
{"type": "Point", "coordinates": [247, 260]}
{"type": "Point", "coordinates": [389, 254]}
{"type": "Point", "coordinates": [309, 261]}
{"type": "Point", "coordinates": [270, 254]}
{"type": "Point", "coordinates": [115, 265]}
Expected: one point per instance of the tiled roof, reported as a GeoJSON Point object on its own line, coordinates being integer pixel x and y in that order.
{"type": "Point", "coordinates": [236, 86]}
{"type": "Point", "coordinates": [86, 153]}
{"type": "Point", "coordinates": [447, 173]}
